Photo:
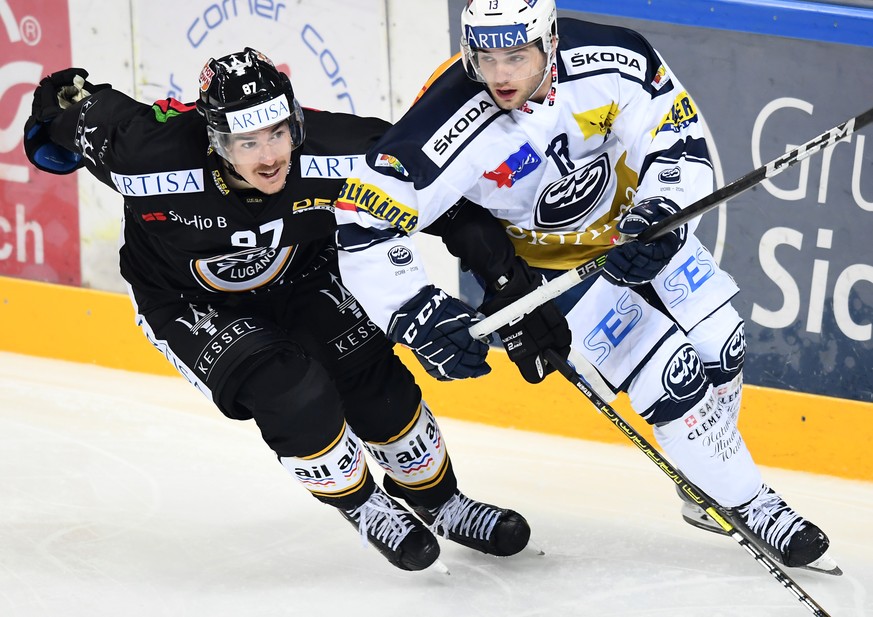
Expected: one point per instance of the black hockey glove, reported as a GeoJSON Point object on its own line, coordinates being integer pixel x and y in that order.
{"type": "Point", "coordinates": [435, 326]}
{"type": "Point", "coordinates": [54, 94]}
{"type": "Point", "coordinates": [634, 263]}
{"type": "Point", "coordinates": [543, 328]}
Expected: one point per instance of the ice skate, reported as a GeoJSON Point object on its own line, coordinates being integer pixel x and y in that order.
{"type": "Point", "coordinates": [394, 531]}
{"type": "Point", "coordinates": [480, 526]}
{"type": "Point", "coordinates": [696, 516]}
{"type": "Point", "coordinates": [775, 527]}
{"type": "Point", "coordinates": [789, 537]}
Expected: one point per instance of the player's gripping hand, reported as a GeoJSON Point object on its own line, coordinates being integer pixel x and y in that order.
{"type": "Point", "coordinates": [435, 326]}
{"type": "Point", "coordinates": [635, 263]}
{"type": "Point", "coordinates": [543, 328]}
{"type": "Point", "coordinates": [54, 94]}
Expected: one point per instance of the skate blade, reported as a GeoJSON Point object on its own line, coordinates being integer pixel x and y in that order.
{"type": "Point", "coordinates": [824, 564]}
{"type": "Point", "coordinates": [696, 517]}
{"type": "Point", "coordinates": [533, 547]}
{"type": "Point", "coordinates": [440, 567]}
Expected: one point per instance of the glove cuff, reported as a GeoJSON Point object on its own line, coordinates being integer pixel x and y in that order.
{"type": "Point", "coordinates": [46, 155]}
{"type": "Point", "coordinates": [413, 304]}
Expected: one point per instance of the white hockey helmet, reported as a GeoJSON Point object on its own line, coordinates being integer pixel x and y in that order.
{"type": "Point", "coordinates": [489, 25]}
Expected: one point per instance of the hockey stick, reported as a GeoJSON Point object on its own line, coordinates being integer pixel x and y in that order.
{"type": "Point", "coordinates": [691, 491]}
{"type": "Point", "coordinates": [571, 278]}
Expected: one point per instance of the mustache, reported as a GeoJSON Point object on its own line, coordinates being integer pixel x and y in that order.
{"type": "Point", "coordinates": [270, 168]}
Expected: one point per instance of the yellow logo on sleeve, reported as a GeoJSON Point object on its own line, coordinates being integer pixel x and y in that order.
{"type": "Point", "coordinates": [362, 196]}
{"type": "Point", "coordinates": [684, 112]}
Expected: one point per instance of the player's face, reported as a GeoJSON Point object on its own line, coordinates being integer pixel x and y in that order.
{"type": "Point", "coordinates": [262, 157]}
{"type": "Point", "coordinates": [514, 75]}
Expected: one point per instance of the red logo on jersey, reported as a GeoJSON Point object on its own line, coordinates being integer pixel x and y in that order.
{"type": "Point", "coordinates": [171, 104]}
{"type": "Point", "coordinates": [690, 421]}
{"type": "Point", "coordinates": [502, 175]}
{"type": "Point", "coordinates": [517, 166]}
{"type": "Point", "coordinates": [154, 216]}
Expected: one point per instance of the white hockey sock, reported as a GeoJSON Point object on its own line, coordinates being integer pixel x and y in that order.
{"type": "Point", "coordinates": [707, 446]}
{"type": "Point", "coordinates": [338, 470]}
{"type": "Point", "coordinates": [416, 457]}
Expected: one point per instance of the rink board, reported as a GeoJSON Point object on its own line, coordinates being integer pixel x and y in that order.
{"type": "Point", "coordinates": [784, 429]}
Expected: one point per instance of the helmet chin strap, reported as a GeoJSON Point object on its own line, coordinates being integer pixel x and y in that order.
{"type": "Point", "coordinates": [547, 71]}
{"type": "Point", "coordinates": [231, 170]}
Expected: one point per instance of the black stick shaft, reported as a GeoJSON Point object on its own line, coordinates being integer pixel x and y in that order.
{"type": "Point", "coordinates": [756, 176]}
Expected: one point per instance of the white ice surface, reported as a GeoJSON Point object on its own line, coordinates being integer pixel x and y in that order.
{"type": "Point", "coordinates": [128, 495]}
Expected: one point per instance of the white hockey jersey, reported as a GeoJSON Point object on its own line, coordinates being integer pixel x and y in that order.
{"type": "Point", "coordinates": [618, 127]}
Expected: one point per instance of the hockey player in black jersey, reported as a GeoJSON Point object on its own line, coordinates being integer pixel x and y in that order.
{"type": "Point", "coordinates": [568, 134]}
{"type": "Point", "coordinates": [228, 250]}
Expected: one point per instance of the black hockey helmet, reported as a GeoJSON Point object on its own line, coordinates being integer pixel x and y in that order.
{"type": "Point", "coordinates": [244, 92]}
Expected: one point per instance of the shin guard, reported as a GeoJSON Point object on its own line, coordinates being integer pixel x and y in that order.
{"type": "Point", "coordinates": [338, 474]}
{"type": "Point", "coordinates": [720, 341]}
{"type": "Point", "coordinates": [416, 460]}
{"type": "Point", "coordinates": [707, 446]}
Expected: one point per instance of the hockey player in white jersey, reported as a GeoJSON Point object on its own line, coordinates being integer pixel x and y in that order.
{"type": "Point", "coordinates": [566, 143]}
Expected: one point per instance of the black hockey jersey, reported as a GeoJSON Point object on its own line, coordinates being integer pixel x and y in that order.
{"type": "Point", "coordinates": [186, 234]}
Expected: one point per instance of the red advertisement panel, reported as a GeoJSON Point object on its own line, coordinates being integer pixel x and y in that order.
{"type": "Point", "coordinates": [39, 218]}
